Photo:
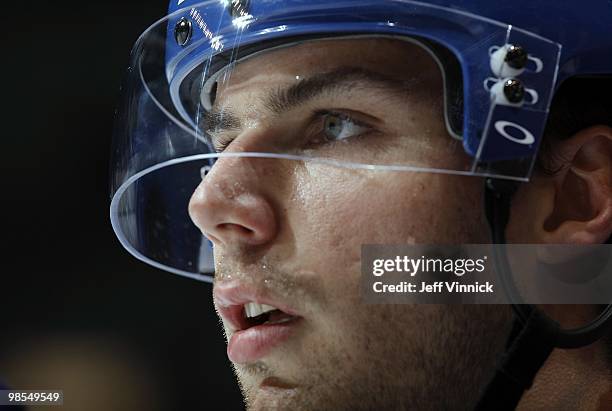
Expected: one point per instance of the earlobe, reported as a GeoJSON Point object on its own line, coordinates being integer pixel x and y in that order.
{"type": "Point", "coordinates": [575, 202]}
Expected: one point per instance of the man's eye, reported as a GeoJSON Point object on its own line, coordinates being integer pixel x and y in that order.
{"type": "Point", "coordinates": [220, 142]}
{"type": "Point", "coordinates": [332, 126]}
{"type": "Point", "coordinates": [337, 126]}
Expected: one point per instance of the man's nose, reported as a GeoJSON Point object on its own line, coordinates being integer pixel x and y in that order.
{"type": "Point", "coordinates": [230, 208]}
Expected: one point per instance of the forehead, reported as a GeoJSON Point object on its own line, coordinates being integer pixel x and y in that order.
{"type": "Point", "coordinates": [404, 59]}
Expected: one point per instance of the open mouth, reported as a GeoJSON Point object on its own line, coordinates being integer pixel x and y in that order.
{"type": "Point", "coordinates": [257, 322]}
{"type": "Point", "coordinates": [259, 328]}
{"type": "Point", "coordinates": [259, 314]}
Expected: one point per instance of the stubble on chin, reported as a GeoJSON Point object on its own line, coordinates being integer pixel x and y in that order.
{"type": "Point", "coordinates": [391, 357]}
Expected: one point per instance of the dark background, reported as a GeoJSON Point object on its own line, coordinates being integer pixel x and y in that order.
{"type": "Point", "coordinates": [78, 313]}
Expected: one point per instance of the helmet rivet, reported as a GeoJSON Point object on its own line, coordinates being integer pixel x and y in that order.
{"type": "Point", "coordinates": [516, 57]}
{"type": "Point", "coordinates": [182, 31]}
{"type": "Point", "coordinates": [514, 90]}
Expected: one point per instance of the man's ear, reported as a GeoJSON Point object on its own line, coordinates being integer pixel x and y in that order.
{"type": "Point", "coordinates": [570, 201]}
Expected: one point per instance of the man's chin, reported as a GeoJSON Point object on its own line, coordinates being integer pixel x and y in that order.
{"type": "Point", "coordinates": [272, 393]}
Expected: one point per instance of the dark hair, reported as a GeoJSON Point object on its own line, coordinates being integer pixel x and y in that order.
{"type": "Point", "coordinates": [578, 104]}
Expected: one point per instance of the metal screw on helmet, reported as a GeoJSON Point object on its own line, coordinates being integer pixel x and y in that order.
{"type": "Point", "coordinates": [516, 57]}
{"type": "Point", "coordinates": [182, 31]}
{"type": "Point", "coordinates": [514, 90]}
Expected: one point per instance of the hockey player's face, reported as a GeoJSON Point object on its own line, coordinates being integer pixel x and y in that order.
{"type": "Point", "coordinates": [288, 234]}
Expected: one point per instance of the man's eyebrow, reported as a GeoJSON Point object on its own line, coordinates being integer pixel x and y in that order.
{"type": "Point", "coordinates": [341, 79]}
{"type": "Point", "coordinates": [284, 99]}
{"type": "Point", "coordinates": [216, 121]}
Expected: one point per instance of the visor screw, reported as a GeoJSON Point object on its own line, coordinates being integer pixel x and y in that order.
{"type": "Point", "coordinates": [182, 31]}
{"type": "Point", "coordinates": [516, 57]}
{"type": "Point", "coordinates": [514, 90]}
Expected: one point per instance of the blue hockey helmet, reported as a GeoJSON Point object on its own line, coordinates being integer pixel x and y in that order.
{"type": "Point", "coordinates": [501, 63]}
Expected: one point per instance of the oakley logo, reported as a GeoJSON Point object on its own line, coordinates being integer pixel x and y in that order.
{"type": "Point", "coordinates": [526, 139]}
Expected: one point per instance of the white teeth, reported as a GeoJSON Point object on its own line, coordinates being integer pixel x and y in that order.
{"type": "Point", "coordinates": [253, 309]}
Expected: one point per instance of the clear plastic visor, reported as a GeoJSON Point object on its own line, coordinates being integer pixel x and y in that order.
{"type": "Point", "coordinates": [239, 123]}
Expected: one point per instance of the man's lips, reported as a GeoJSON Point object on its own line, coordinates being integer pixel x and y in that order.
{"type": "Point", "coordinates": [250, 345]}
{"type": "Point", "coordinates": [231, 297]}
{"type": "Point", "coordinates": [250, 339]}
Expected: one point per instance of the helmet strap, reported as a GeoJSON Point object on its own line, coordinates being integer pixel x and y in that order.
{"type": "Point", "coordinates": [528, 347]}
{"type": "Point", "coordinates": [533, 337]}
